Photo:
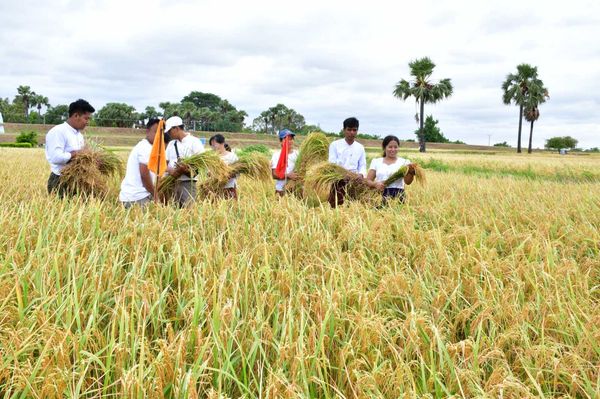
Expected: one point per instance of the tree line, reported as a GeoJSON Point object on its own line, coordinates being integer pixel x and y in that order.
{"type": "Point", "coordinates": [209, 112]}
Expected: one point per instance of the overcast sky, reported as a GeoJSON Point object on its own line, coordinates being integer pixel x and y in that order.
{"type": "Point", "coordinates": [326, 59]}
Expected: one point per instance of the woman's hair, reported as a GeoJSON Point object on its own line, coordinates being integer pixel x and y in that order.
{"type": "Point", "coordinates": [219, 138]}
{"type": "Point", "coordinates": [387, 140]}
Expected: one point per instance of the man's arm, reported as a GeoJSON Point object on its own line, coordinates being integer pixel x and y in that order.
{"type": "Point", "coordinates": [56, 149]}
{"type": "Point", "coordinates": [362, 163]}
{"type": "Point", "coordinates": [146, 178]}
{"type": "Point", "coordinates": [332, 154]}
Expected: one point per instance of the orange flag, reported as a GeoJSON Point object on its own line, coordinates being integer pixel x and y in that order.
{"type": "Point", "coordinates": [282, 162]}
{"type": "Point", "coordinates": [158, 158]}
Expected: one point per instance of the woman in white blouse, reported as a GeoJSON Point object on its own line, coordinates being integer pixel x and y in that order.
{"type": "Point", "coordinates": [383, 168]}
{"type": "Point", "coordinates": [217, 143]}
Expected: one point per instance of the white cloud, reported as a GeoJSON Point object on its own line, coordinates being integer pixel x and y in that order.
{"type": "Point", "coordinates": [328, 60]}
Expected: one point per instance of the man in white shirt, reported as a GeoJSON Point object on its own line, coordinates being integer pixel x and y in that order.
{"type": "Point", "coordinates": [349, 154]}
{"type": "Point", "coordinates": [182, 145]}
{"type": "Point", "coordinates": [291, 162]}
{"type": "Point", "coordinates": [64, 141]}
{"type": "Point", "coordinates": [137, 187]}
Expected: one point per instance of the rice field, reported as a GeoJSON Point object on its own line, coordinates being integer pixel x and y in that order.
{"type": "Point", "coordinates": [480, 286]}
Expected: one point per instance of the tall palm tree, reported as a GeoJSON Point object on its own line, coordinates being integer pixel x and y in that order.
{"type": "Point", "coordinates": [536, 95]}
{"type": "Point", "coordinates": [423, 90]}
{"type": "Point", "coordinates": [24, 96]}
{"type": "Point", "coordinates": [38, 101]}
{"type": "Point", "coordinates": [515, 89]}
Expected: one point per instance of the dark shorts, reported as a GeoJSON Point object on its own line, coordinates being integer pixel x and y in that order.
{"type": "Point", "coordinates": [390, 193]}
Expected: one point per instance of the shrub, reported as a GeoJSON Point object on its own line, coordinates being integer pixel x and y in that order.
{"type": "Point", "coordinates": [263, 149]}
{"type": "Point", "coordinates": [28, 137]}
{"type": "Point", "coordinates": [16, 145]}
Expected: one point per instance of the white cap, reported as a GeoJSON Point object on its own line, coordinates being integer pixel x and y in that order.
{"type": "Point", "coordinates": [172, 122]}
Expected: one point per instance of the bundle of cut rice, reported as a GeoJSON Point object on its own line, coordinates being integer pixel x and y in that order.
{"type": "Point", "coordinates": [254, 165]}
{"type": "Point", "coordinates": [313, 150]}
{"type": "Point", "coordinates": [400, 173]}
{"type": "Point", "coordinates": [89, 171]}
{"type": "Point", "coordinates": [208, 166]}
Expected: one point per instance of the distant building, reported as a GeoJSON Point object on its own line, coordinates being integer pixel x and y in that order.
{"type": "Point", "coordinates": [1, 124]}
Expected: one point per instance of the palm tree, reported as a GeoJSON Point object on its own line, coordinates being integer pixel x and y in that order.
{"type": "Point", "coordinates": [24, 96]}
{"type": "Point", "coordinates": [536, 95]}
{"type": "Point", "coordinates": [515, 88]}
{"type": "Point", "coordinates": [38, 101]}
{"type": "Point", "coordinates": [422, 90]}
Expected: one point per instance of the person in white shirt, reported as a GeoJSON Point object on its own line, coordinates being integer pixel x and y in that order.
{"type": "Point", "coordinates": [64, 141]}
{"type": "Point", "coordinates": [218, 144]}
{"type": "Point", "coordinates": [382, 168]}
{"type": "Point", "coordinates": [182, 145]}
{"type": "Point", "coordinates": [349, 154]}
{"type": "Point", "coordinates": [291, 162]}
{"type": "Point", "coordinates": [137, 187]}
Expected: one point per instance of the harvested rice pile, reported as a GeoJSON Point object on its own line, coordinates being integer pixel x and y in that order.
{"type": "Point", "coordinates": [88, 172]}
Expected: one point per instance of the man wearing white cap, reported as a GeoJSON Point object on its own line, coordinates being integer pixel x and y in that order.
{"type": "Point", "coordinates": [182, 145]}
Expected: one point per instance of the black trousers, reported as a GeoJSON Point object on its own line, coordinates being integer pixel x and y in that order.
{"type": "Point", "coordinates": [54, 185]}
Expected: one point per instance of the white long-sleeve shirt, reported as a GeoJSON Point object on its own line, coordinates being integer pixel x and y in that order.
{"type": "Point", "coordinates": [350, 157]}
{"type": "Point", "coordinates": [60, 141]}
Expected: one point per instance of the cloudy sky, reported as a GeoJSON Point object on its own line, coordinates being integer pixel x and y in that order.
{"type": "Point", "coordinates": [326, 59]}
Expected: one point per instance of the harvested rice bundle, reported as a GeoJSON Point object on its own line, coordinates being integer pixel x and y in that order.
{"type": "Point", "coordinates": [89, 171]}
{"type": "Point", "coordinates": [314, 149]}
{"type": "Point", "coordinates": [400, 173]}
{"type": "Point", "coordinates": [254, 165]}
{"type": "Point", "coordinates": [208, 165]}
{"type": "Point", "coordinates": [322, 176]}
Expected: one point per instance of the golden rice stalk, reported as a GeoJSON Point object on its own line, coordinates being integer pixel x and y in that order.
{"type": "Point", "coordinates": [254, 165]}
{"type": "Point", "coordinates": [208, 166]}
{"type": "Point", "coordinates": [400, 173]}
{"type": "Point", "coordinates": [314, 149]}
{"type": "Point", "coordinates": [320, 177]}
{"type": "Point", "coordinates": [166, 185]}
{"type": "Point", "coordinates": [88, 172]}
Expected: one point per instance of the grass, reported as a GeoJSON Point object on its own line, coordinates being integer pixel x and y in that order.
{"type": "Point", "coordinates": [485, 287]}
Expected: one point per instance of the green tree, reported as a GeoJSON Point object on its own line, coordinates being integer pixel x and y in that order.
{"type": "Point", "coordinates": [149, 112]}
{"type": "Point", "coordinates": [117, 115]}
{"type": "Point", "coordinates": [12, 111]}
{"type": "Point", "coordinates": [423, 90]}
{"type": "Point", "coordinates": [169, 109]}
{"type": "Point", "coordinates": [536, 95]}
{"type": "Point", "coordinates": [203, 100]}
{"type": "Point", "coordinates": [279, 117]}
{"type": "Point", "coordinates": [503, 144]}
{"type": "Point", "coordinates": [431, 132]}
{"type": "Point", "coordinates": [56, 115]}
{"type": "Point", "coordinates": [557, 143]}
{"type": "Point", "coordinates": [515, 89]}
